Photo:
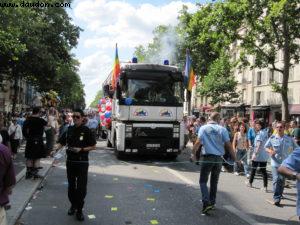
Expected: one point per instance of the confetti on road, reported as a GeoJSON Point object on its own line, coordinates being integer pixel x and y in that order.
{"type": "Point", "coordinates": [115, 179]}
{"type": "Point", "coordinates": [148, 186]}
{"type": "Point", "coordinates": [91, 217]}
{"type": "Point", "coordinates": [154, 222]}
{"type": "Point", "coordinates": [114, 208]}
{"type": "Point", "coordinates": [94, 175]}
{"type": "Point", "coordinates": [151, 199]}
{"type": "Point", "coordinates": [54, 207]}
{"type": "Point", "coordinates": [109, 196]}
{"type": "Point", "coordinates": [28, 208]}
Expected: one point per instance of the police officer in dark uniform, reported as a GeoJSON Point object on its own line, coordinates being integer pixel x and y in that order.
{"type": "Point", "coordinates": [79, 141]}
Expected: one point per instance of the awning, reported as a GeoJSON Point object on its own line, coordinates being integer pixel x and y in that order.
{"type": "Point", "coordinates": [257, 108]}
{"type": "Point", "coordinates": [294, 109]}
{"type": "Point", "coordinates": [234, 105]}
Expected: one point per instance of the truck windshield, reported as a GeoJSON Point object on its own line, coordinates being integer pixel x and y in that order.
{"type": "Point", "coordinates": [154, 92]}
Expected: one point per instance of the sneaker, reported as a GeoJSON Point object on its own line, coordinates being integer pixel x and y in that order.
{"type": "Point", "coordinates": [206, 209]}
{"type": "Point", "coordinates": [248, 184]}
{"type": "Point", "coordinates": [236, 173]}
{"type": "Point", "coordinates": [223, 169]}
{"type": "Point", "coordinates": [79, 216]}
{"type": "Point", "coordinates": [71, 211]}
{"type": "Point", "coordinates": [248, 176]}
{"type": "Point", "coordinates": [277, 202]}
{"type": "Point", "coordinates": [28, 175]}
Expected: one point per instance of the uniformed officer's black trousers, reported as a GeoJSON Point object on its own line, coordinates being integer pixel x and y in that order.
{"type": "Point", "coordinates": [77, 173]}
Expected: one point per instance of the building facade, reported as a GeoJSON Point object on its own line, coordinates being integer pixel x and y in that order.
{"type": "Point", "coordinates": [257, 99]}
{"type": "Point", "coordinates": [26, 98]}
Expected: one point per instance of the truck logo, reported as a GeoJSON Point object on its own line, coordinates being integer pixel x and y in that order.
{"type": "Point", "coordinates": [140, 112]}
{"type": "Point", "coordinates": [165, 113]}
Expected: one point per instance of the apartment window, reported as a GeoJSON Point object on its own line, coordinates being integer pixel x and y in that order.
{"type": "Point", "coordinates": [291, 73]}
{"type": "Point", "coordinates": [277, 56]}
{"type": "Point", "coordinates": [259, 98]}
{"type": "Point", "coordinates": [290, 95]}
{"type": "Point", "coordinates": [243, 95]}
{"type": "Point", "coordinates": [244, 79]}
{"type": "Point", "coordinates": [259, 75]}
{"type": "Point", "coordinates": [271, 76]}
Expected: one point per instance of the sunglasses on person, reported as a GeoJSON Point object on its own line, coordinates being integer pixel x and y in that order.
{"type": "Point", "coordinates": [76, 117]}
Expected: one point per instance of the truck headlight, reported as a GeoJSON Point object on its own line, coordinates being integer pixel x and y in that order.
{"type": "Point", "coordinates": [176, 135]}
{"type": "Point", "coordinates": [128, 129]}
{"type": "Point", "coordinates": [176, 129]}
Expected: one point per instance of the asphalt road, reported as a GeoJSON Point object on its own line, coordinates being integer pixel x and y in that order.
{"type": "Point", "coordinates": [141, 191]}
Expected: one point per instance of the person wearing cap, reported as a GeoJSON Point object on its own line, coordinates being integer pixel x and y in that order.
{"type": "Point", "coordinates": [213, 138]}
{"type": "Point", "coordinates": [279, 146]}
{"type": "Point", "coordinates": [79, 141]}
{"type": "Point", "coordinates": [291, 167]}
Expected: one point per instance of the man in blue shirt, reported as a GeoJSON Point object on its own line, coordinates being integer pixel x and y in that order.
{"type": "Point", "coordinates": [213, 138]}
{"type": "Point", "coordinates": [291, 168]}
{"type": "Point", "coordinates": [279, 146]}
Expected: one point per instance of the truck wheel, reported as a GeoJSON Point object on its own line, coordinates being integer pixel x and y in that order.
{"type": "Point", "coordinates": [103, 134]}
{"type": "Point", "coordinates": [119, 155]}
{"type": "Point", "coordinates": [108, 143]}
{"type": "Point", "coordinates": [172, 157]}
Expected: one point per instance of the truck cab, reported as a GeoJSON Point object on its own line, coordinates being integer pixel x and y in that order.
{"type": "Point", "coordinates": [147, 110]}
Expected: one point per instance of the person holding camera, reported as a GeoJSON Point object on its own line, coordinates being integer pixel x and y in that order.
{"type": "Point", "coordinates": [79, 141]}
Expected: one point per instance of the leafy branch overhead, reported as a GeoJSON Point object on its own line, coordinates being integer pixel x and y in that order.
{"type": "Point", "coordinates": [36, 44]}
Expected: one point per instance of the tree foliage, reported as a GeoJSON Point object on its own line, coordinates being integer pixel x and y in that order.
{"type": "Point", "coordinates": [35, 44]}
{"type": "Point", "coordinates": [219, 84]}
{"type": "Point", "coordinates": [98, 96]}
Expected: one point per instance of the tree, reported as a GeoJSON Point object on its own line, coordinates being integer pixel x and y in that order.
{"type": "Point", "coordinates": [263, 29]}
{"type": "Point", "coordinates": [41, 41]}
{"type": "Point", "coordinates": [98, 96]}
{"type": "Point", "coordinates": [219, 84]}
{"type": "Point", "coordinates": [209, 43]}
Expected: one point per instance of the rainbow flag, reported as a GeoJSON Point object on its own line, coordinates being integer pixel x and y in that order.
{"type": "Point", "coordinates": [189, 75]}
{"type": "Point", "coordinates": [116, 70]}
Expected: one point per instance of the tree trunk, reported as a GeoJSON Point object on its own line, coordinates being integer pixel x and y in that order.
{"type": "Point", "coordinates": [286, 73]}
{"type": "Point", "coordinates": [16, 93]}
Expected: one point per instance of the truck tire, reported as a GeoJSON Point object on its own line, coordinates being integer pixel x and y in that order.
{"type": "Point", "coordinates": [172, 156]}
{"type": "Point", "coordinates": [119, 155]}
{"type": "Point", "coordinates": [108, 143]}
{"type": "Point", "coordinates": [103, 134]}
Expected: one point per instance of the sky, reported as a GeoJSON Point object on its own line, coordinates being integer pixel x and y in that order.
{"type": "Point", "coordinates": [105, 23]}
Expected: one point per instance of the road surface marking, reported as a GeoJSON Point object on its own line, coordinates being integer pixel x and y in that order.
{"type": "Point", "coordinates": [181, 177]}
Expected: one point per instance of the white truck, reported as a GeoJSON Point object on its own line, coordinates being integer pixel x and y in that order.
{"type": "Point", "coordinates": [147, 110]}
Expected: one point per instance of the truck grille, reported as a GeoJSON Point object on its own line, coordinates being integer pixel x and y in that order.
{"type": "Point", "coordinates": [146, 132]}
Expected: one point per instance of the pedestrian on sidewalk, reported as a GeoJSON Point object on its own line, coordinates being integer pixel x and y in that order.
{"type": "Point", "coordinates": [291, 168]}
{"type": "Point", "coordinates": [240, 146]}
{"type": "Point", "coordinates": [259, 156]}
{"type": "Point", "coordinates": [51, 129]}
{"type": "Point", "coordinates": [33, 130]}
{"type": "Point", "coordinates": [79, 141]}
{"type": "Point", "coordinates": [279, 146]}
{"type": "Point", "coordinates": [7, 180]}
{"type": "Point", "coordinates": [15, 136]}
{"type": "Point", "coordinates": [213, 137]}
{"type": "Point", "coordinates": [4, 135]}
